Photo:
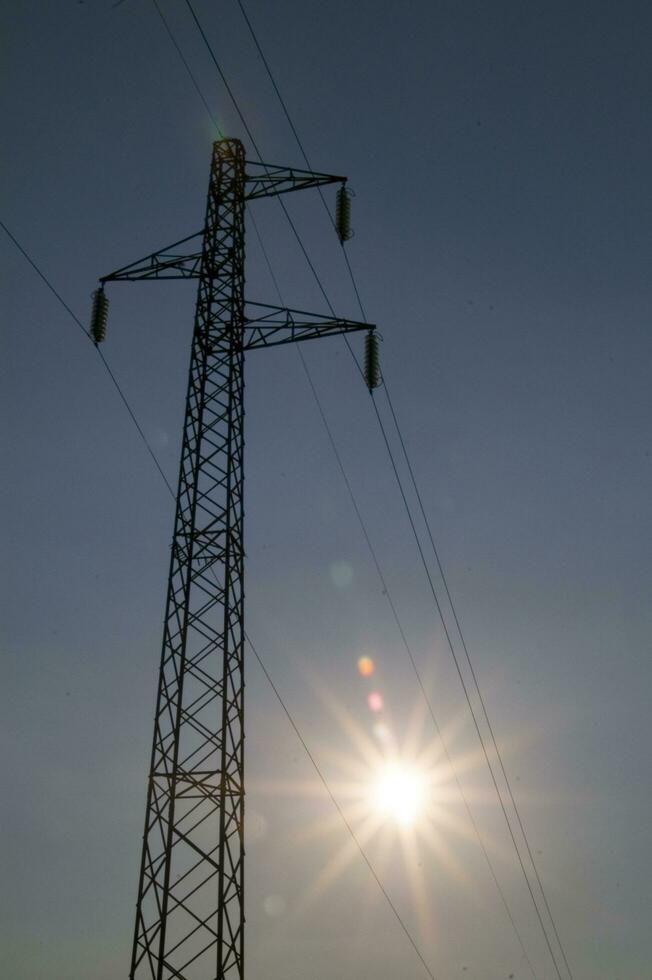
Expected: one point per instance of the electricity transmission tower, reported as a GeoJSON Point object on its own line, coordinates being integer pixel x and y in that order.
{"type": "Point", "coordinates": [190, 908]}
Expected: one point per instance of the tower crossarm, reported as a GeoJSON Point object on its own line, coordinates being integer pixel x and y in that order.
{"type": "Point", "coordinates": [168, 263]}
{"type": "Point", "coordinates": [277, 325]}
{"type": "Point", "coordinates": [268, 180]}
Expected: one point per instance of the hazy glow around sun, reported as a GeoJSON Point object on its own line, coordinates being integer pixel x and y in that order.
{"type": "Point", "coordinates": [399, 793]}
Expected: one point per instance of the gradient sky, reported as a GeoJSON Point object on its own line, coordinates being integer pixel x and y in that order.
{"type": "Point", "coordinates": [501, 157]}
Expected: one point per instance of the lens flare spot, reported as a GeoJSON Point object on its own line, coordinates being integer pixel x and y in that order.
{"type": "Point", "coordinates": [366, 666]}
{"type": "Point", "coordinates": [341, 574]}
{"type": "Point", "coordinates": [375, 701]}
{"type": "Point", "coordinates": [256, 826]}
{"type": "Point", "coordinates": [160, 438]}
{"type": "Point", "coordinates": [274, 906]}
{"type": "Point", "coordinates": [399, 794]}
{"type": "Point", "coordinates": [382, 732]}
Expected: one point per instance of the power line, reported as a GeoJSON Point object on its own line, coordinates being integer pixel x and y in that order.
{"type": "Point", "coordinates": [343, 816]}
{"type": "Point", "coordinates": [105, 363]}
{"type": "Point", "coordinates": [399, 625]}
{"type": "Point", "coordinates": [301, 147]}
{"type": "Point", "coordinates": [258, 153]}
{"type": "Point", "coordinates": [211, 116]}
{"type": "Point", "coordinates": [473, 675]}
{"type": "Point", "coordinates": [395, 420]}
{"type": "Point", "coordinates": [221, 74]}
{"type": "Point", "coordinates": [258, 658]}
{"type": "Point", "coordinates": [323, 291]}
{"type": "Point", "coordinates": [404, 449]}
{"type": "Point", "coordinates": [44, 278]}
{"type": "Point", "coordinates": [326, 298]}
{"type": "Point", "coordinates": [464, 686]}
{"type": "Point", "coordinates": [188, 68]}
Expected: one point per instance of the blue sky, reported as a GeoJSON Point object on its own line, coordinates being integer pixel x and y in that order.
{"type": "Point", "coordinates": [500, 154]}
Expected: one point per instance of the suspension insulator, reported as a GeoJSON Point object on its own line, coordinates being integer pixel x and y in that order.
{"type": "Point", "coordinates": [99, 315]}
{"type": "Point", "coordinates": [371, 361]}
{"type": "Point", "coordinates": [343, 214]}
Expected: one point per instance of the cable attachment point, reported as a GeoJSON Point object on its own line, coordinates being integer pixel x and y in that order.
{"type": "Point", "coordinates": [343, 214]}
{"type": "Point", "coordinates": [99, 315]}
{"type": "Point", "coordinates": [371, 361]}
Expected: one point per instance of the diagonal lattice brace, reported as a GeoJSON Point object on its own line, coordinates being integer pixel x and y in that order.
{"type": "Point", "coordinates": [167, 263]}
{"type": "Point", "coordinates": [276, 325]}
{"type": "Point", "coordinates": [268, 180]}
{"type": "Point", "coordinates": [190, 912]}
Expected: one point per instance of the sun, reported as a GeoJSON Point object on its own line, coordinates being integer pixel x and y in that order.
{"type": "Point", "coordinates": [399, 793]}
{"type": "Point", "coordinates": [395, 790]}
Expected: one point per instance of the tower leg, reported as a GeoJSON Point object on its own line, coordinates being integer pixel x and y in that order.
{"type": "Point", "coordinates": [190, 911]}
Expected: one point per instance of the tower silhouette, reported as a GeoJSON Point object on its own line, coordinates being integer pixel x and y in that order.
{"type": "Point", "coordinates": [190, 907]}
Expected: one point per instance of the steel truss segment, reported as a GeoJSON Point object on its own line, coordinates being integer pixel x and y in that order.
{"type": "Point", "coordinates": [190, 910]}
{"type": "Point", "coordinates": [269, 180]}
{"type": "Point", "coordinates": [163, 264]}
{"type": "Point", "coordinates": [275, 325]}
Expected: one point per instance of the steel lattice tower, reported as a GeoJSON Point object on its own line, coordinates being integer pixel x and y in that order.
{"type": "Point", "coordinates": [190, 908]}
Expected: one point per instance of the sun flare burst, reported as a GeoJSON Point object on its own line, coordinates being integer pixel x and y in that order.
{"type": "Point", "coordinates": [396, 788]}
{"type": "Point", "coordinates": [400, 793]}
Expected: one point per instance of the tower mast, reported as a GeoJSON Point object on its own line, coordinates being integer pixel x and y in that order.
{"type": "Point", "coordinates": [190, 907]}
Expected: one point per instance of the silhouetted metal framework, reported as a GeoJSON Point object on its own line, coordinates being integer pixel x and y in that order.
{"type": "Point", "coordinates": [190, 909]}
